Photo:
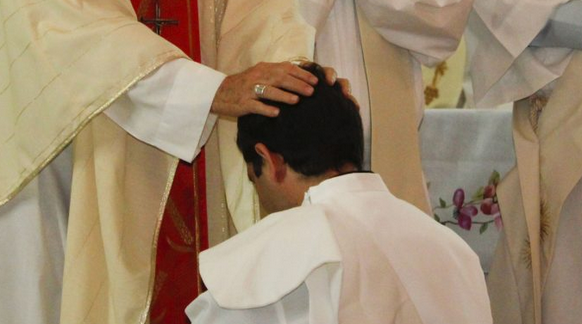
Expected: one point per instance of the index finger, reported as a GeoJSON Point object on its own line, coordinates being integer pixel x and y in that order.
{"type": "Point", "coordinates": [303, 75]}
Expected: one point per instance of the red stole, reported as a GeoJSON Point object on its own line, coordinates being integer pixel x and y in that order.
{"type": "Point", "coordinates": [184, 231]}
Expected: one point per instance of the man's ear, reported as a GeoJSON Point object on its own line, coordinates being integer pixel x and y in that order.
{"type": "Point", "coordinates": [274, 163]}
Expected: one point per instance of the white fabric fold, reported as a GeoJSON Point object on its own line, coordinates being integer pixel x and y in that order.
{"type": "Point", "coordinates": [430, 29]}
{"type": "Point", "coordinates": [170, 109]}
{"type": "Point", "coordinates": [504, 68]}
{"type": "Point", "coordinates": [246, 272]}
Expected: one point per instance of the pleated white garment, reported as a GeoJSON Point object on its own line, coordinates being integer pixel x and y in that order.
{"type": "Point", "coordinates": [352, 253]}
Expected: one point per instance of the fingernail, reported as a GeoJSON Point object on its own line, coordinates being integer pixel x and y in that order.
{"type": "Point", "coordinates": [295, 99]}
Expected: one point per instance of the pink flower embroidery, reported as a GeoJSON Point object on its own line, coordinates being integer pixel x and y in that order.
{"type": "Point", "coordinates": [464, 212]}
{"type": "Point", "coordinates": [465, 216]}
{"type": "Point", "coordinates": [459, 198]}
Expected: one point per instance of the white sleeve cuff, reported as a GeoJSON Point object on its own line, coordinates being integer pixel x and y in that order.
{"type": "Point", "coordinates": [170, 108]}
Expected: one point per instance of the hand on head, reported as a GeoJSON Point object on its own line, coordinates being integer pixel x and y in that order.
{"type": "Point", "coordinates": [240, 94]}
{"type": "Point", "coordinates": [319, 137]}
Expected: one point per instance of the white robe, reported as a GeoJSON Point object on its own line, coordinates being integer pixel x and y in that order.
{"type": "Point", "coordinates": [169, 109]}
{"type": "Point", "coordinates": [352, 253]}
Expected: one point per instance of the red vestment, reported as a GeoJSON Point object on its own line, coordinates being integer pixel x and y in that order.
{"type": "Point", "coordinates": [184, 231]}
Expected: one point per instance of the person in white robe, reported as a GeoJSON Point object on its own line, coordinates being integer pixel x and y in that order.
{"type": "Point", "coordinates": [338, 247]}
{"type": "Point", "coordinates": [528, 52]}
{"type": "Point", "coordinates": [377, 45]}
{"type": "Point", "coordinates": [173, 109]}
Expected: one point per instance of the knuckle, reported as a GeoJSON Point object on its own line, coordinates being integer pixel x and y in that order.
{"type": "Point", "coordinates": [288, 66]}
{"type": "Point", "coordinates": [256, 74]}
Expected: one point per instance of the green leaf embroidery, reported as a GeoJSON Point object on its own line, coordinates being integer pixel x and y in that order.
{"type": "Point", "coordinates": [494, 178]}
{"type": "Point", "coordinates": [442, 203]}
{"type": "Point", "coordinates": [479, 194]}
{"type": "Point", "coordinates": [483, 228]}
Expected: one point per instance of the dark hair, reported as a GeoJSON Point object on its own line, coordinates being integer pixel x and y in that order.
{"type": "Point", "coordinates": [322, 132]}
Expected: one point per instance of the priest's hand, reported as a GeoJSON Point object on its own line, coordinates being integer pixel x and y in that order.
{"type": "Point", "coordinates": [240, 94]}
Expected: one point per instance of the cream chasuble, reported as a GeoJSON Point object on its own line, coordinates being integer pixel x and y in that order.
{"type": "Point", "coordinates": [220, 224]}
{"type": "Point", "coordinates": [548, 153]}
{"type": "Point", "coordinates": [116, 207]}
{"type": "Point", "coordinates": [68, 65]}
{"type": "Point", "coordinates": [534, 274]}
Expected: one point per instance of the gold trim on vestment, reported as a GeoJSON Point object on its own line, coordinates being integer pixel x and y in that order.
{"type": "Point", "coordinates": [197, 241]}
{"type": "Point", "coordinates": [161, 60]}
{"type": "Point", "coordinates": [146, 313]}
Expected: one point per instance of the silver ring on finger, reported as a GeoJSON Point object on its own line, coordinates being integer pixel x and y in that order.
{"type": "Point", "coordinates": [260, 90]}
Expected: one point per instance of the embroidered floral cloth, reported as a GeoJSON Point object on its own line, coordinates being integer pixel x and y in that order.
{"type": "Point", "coordinates": [464, 154]}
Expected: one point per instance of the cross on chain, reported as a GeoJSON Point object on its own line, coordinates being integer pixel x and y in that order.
{"type": "Point", "coordinates": [159, 22]}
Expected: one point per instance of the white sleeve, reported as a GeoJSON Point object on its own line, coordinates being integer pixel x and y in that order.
{"type": "Point", "coordinates": [429, 29]}
{"type": "Point", "coordinates": [170, 108]}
